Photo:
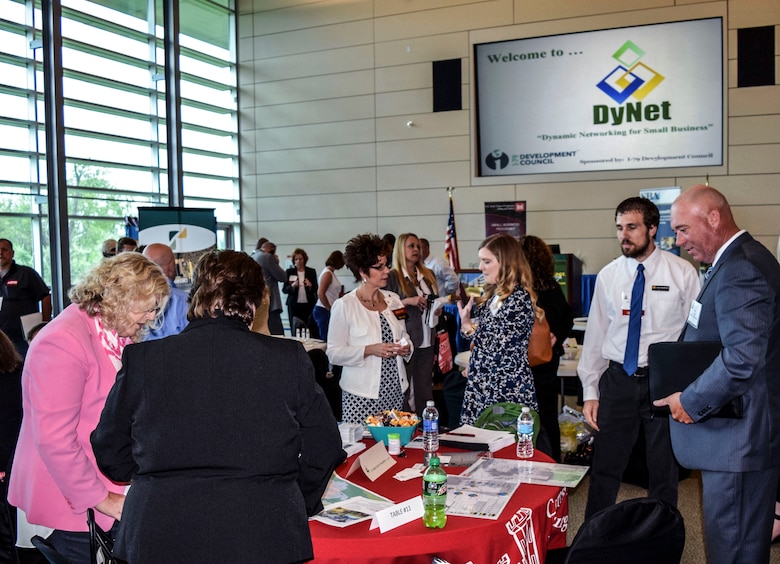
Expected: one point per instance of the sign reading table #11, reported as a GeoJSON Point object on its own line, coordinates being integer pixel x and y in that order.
{"type": "Point", "coordinates": [614, 99]}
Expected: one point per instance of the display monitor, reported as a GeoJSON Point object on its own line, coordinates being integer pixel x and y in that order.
{"type": "Point", "coordinates": [630, 98]}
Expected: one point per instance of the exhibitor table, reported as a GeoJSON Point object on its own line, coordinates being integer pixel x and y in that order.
{"type": "Point", "coordinates": [534, 520]}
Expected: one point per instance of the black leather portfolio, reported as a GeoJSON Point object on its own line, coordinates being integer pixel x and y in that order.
{"type": "Point", "coordinates": [675, 365]}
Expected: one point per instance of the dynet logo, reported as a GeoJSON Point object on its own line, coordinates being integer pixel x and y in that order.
{"type": "Point", "coordinates": [630, 78]}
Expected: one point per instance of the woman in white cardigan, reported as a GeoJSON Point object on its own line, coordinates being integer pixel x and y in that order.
{"type": "Point", "coordinates": [367, 335]}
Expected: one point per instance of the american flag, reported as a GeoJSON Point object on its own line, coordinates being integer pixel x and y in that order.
{"type": "Point", "coordinates": [451, 241]}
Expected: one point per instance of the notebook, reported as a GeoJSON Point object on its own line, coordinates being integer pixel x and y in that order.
{"type": "Point", "coordinates": [675, 365]}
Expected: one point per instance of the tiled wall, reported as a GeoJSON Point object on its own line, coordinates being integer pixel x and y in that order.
{"type": "Point", "coordinates": [327, 88]}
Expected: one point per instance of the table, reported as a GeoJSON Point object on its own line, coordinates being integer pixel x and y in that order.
{"type": "Point", "coordinates": [308, 344]}
{"type": "Point", "coordinates": [534, 521]}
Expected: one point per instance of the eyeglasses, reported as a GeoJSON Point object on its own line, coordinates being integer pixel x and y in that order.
{"type": "Point", "coordinates": [151, 311]}
{"type": "Point", "coordinates": [380, 267]}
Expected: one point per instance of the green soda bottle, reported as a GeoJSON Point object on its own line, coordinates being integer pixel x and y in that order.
{"type": "Point", "coordinates": [434, 495]}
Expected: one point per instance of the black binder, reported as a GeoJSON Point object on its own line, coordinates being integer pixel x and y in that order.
{"type": "Point", "coordinates": [675, 365]}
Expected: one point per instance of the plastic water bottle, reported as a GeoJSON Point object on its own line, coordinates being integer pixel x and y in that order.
{"type": "Point", "coordinates": [525, 434]}
{"type": "Point", "coordinates": [430, 422]}
{"type": "Point", "coordinates": [434, 495]}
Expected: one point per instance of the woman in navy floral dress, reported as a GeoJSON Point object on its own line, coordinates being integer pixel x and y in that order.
{"type": "Point", "coordinates": [503, 320]}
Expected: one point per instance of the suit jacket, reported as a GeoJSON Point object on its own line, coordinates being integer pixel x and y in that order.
{"type": "Point", "coordinates": [273, 274]}
{"type": "Point", "coordinates": [740, 307]}
{"type": "Point", "coordinates": [292, 293]}
{"type": "Point", "coordinates": [229, 443]}
{"type": "Point", "coordinates": [66, 378]}
{"type": "Point", "coordinates": [414, 320]}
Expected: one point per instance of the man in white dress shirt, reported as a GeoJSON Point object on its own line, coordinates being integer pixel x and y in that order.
{"type": "Point", "coordinates": [617, 403]}
{"type": "Point", "coordinates": [446, 277]}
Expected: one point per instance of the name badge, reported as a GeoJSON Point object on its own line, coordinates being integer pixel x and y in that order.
{"type": "Point", "coordinates": [694, 314]}
{"type": "Point", "coordinates": [659, 288]}
{"type": "Point", "coordinates": [398, 308]}
{"type": "Point", "coordinates": [11, 282]}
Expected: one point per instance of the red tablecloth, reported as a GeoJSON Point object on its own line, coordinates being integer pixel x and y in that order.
{"type": "Point", "coordinates": [534, 521]}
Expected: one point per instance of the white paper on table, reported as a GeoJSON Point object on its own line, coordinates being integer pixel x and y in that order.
{"type": "Point", "coordinates": [482, 499]}
{"type": "Point", "coordinates": [350, 511]}
{"type": "Point", "coordinates": [374, 462]}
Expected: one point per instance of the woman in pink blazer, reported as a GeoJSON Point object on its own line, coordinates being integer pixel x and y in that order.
{"type": "Point", "coordinates": [70, 368]}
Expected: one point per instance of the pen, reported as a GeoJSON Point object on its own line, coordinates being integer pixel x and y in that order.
{"type": "Point", "coordinates": [461, 434]}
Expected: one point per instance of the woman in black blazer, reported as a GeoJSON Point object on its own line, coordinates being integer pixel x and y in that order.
{"type": "Point", "coordinates": [227, 440]}
{"type": "Point", "coordinates": [301, 290]}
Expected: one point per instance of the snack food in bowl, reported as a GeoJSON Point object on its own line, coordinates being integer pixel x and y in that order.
{"type": "Point", "coordinates": [392, 421]}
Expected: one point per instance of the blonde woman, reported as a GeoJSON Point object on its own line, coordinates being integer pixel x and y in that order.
{"type": "Point", "coordinates": [70, 368]}
{"type": "Point", "coordinates": [414, 283]}
{"type": "Point", "coordinates": [501, 328]}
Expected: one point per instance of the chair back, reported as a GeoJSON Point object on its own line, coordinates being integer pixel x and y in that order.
{"type": "Point", "coordinates": [49, 552]}
{"type": "Point", "coordinates": [640, 531]}
{"type": "Point", "coordinates": [503, 417]}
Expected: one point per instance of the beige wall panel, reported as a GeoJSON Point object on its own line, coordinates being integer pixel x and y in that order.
{"type": "Point", "coordinates": [246, 75]}
{"type": "Point", "coordinates": [731, 78]}
{"type": "Point", "coordinates": [403, 223]}
{"type": "Point", "coordinates": [444, 20]}
{"type": "Point", "coordinates": [439, 124]}
{"type": "Point", "coordinates": [265, 5]}
{"type": "Point", "coordinates": [404, 77]}
{"type": "Point", "coordinates": [246, 52]}
{"type": "Point", "coordinates": [320, 111]}
{"type": "Point", "coordinates": [332, 61]}
{"type": "Point", "coordinates": [394, 7]}
{"type": "Point", "coordinates": [317, 158]}
{"type": "Point", "coordinates": [751, 130]}
{"type": "Point", "coordinates": [312, 15]}
{"type": "Point", "coordinates": [317, 182]}
{"type": "Point", "coordinates": [750, 189]}
{"type": "Point", "coordinates": [246, 27]}
{"type": "Point", "coordinates": [593, 195]}
{"type": "Point", "coordinates": [317, 206]}
{"type": "Point", "coordinates": [425, 175]}
{"type": "Point", "coordinates": [532, 11]}
{"type": "Point", "coordinates": [755, 101]}
{"type": "Point", "coordinates": [314, 39]}
{"type": "Point", "coordinates": [291, 233]}
{"type": "Point", "coordinates": [423, 150]}
{"type": "Point", "coordinates": [403, 103]}
{"type": "Point", "coordinates": [753, 13]}
{"type": "Point", "coordinates": [336, 133]}
{"type": "Point", "coordinates": [731, 43]}
{"type": "Point", "coordinates": [339, 85]}
{"type": "Point", "coordinates": [754, 159]}
{"type": "Point", "coordinates": [422, 203]}
{"type": "Point", "coordinates": [422, 49]}
{"type": "Point", "coordinates": [573, 224]}
{"type": "Point", "coordinates": [248, 164]}
{"type": "Point", "coordinates": [759, 220]}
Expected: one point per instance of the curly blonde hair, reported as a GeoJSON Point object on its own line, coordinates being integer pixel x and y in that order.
{"type": "Point", "coordinates": [117, 284]}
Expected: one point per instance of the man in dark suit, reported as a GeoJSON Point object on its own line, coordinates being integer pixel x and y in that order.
{"type": "Point", "coordinates": [739, 305]}
{"type": "Point", "coordinates": [265, 256]}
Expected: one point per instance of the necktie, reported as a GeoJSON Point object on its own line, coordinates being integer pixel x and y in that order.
{"type": "Point", "coordinates": [707, 274]}
{"type": "Point", "coordinates": [631, 359]}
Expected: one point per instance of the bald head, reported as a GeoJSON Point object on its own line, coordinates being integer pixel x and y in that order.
{"type": "Point", "coordinates": [163, 256]}
{"type": "Point", "coordinates": [702, 218]}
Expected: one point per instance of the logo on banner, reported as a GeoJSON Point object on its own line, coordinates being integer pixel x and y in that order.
{"type": "Point", "coordinates": [631, 78]}
{"type": "Point", "coordinates": [498, 159]}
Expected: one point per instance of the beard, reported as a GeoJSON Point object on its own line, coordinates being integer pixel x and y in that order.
{"type": "Point", "coordinates": [636, 250]}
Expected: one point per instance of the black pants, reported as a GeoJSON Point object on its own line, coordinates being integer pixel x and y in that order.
{"type": "Point", "coordinates": [624, 410]}
{"type": "Point", "coordinates": [547, 390]}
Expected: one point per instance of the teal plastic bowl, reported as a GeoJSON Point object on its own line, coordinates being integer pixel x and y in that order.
{"type": "Point", "coordinates": [380, 433]}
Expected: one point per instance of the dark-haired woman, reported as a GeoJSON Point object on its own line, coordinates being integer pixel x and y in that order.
{"type": "Point", "coordinates": [367, 335]}
{"type": "Point", "coordinates": [329, 289]}
{"type": "Point", "coordinates": [301, 290]}
{"type": "Point", "coordinates": [558, 313]}
{"type": "Point", "coordinates": [227, 439]}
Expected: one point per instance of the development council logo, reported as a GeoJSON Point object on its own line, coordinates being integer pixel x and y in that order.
{"type": "Point", "coordinates": [497, 159]}
{"type": "Point", "coordinates": [630, 77]}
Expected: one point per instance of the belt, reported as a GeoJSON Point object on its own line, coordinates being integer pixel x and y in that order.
{"type": "Point", "coordinates": [641, 372]}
